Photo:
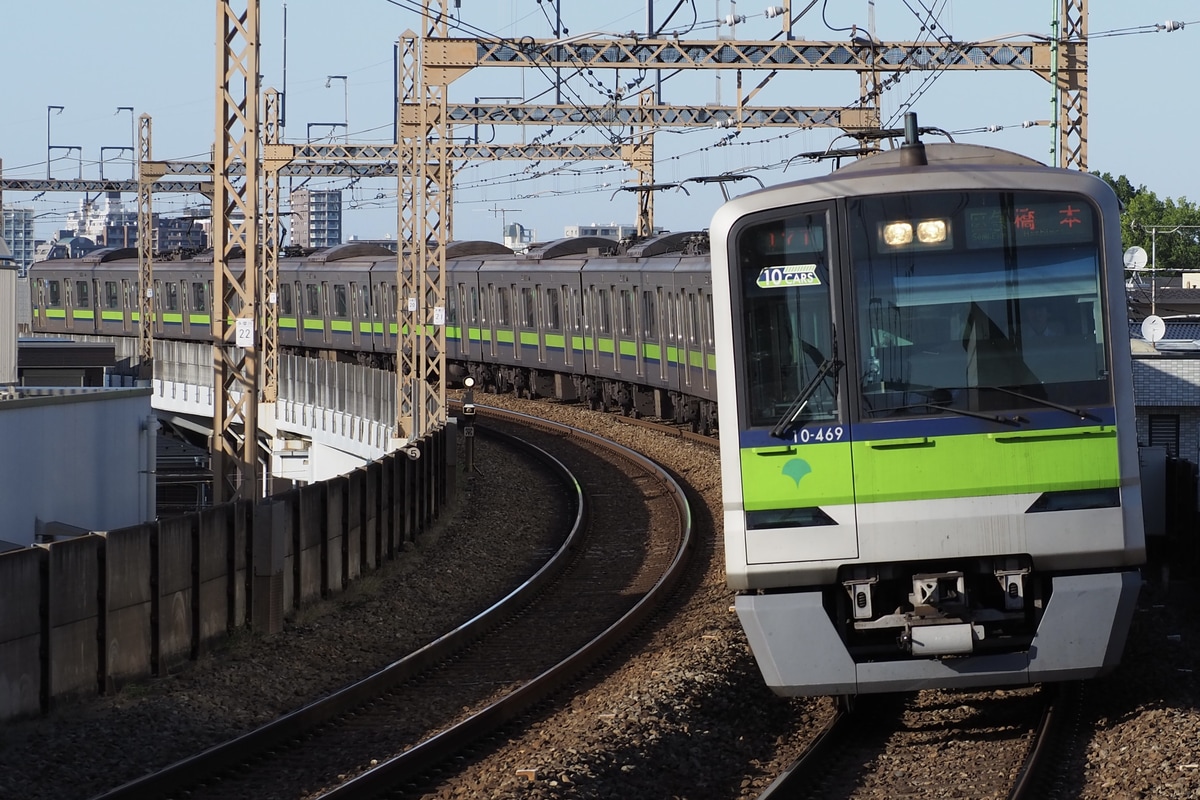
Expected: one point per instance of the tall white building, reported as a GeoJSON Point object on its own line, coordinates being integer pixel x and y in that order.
{"type": "Point", "coordinates": [316, 218]}
{"type": "Point", "coordinates": [613, 230]}
{"type": "Point", "coordinates": [18, 233]}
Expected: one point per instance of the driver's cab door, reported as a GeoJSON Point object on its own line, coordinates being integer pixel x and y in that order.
{"type": "Point", "coordinates": [796, 471]}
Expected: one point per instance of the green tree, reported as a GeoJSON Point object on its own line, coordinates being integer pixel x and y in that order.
{"type": "Point", "coordinates": [1168, 229]}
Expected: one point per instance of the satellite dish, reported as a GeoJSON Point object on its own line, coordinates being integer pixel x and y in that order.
{"type": "Point", "coordinates": [1135, 258]}
{"type": "Point", "coordinates": [1153, 328]}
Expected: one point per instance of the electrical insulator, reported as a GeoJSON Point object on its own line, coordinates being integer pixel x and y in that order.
{"type": "Point", "coordinates": [774, 11]}
{"type": "Point", "coordinates": [1172, 25]}
{"type": "Point", "coordinates": [734, 19]}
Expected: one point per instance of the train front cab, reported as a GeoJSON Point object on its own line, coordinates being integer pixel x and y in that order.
{"type": "Point", "coordinates": [903, 514]}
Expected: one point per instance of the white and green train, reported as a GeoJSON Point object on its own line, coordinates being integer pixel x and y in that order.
{"type": "Point", "coordinates": [930, 470]}
{"type": "Point", "coordinates": [929, 460]}
{"type": "Point", "coordinates": [614, 324]}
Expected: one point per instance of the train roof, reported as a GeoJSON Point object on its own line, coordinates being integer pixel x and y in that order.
{"type": "Point", "coordinates": [943, 154]}
{"type": "Point", "coordinates": [571, 246]}
{"type": "Point", "coordinates": [341, 252]}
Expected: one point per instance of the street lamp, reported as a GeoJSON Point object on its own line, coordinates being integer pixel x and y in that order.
{"type": "Point", "coordinates": [59, 109]}
{"type": "Point", "coordinates": [133, 159]}
{"type": "Point", "coordinates": [329, 79]}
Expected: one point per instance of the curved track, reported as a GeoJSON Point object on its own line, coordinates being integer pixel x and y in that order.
{"type": "Point", "coordinates": [873, 749]}
{"type": "Point", "coordinates": [619, 559]}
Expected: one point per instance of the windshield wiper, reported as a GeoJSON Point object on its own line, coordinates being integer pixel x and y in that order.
{"type": "Point", "coordinates": [1016, 421]}
{"type": "Point", "coordinates": [1079, 412]}
{"type": "Point", "coordinates": [787, 423]}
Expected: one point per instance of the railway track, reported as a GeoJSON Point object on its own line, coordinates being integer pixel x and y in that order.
{"type": "Point", "coordinates": [1003, 744]}
{"type": "Point", "coordinates": [619, 560]}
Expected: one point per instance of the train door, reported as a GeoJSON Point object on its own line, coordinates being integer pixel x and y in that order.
{"type": "Point", "coordinates": [796, 457]}
{"type": "Point", "coordinates": [569, 301]}
{"type": "Point", "coordinates": [185, 309]}
{"type": "Point", "coordinates": [68, 299]}
{"type": "Point", "coordinates": [325, 310]}
{"type": "Point", "coordinates": [97, 306]}
{"type": "Point", "coordinates": [607, 352]}
{"type": "Point", "coordinates": [468, 319]}
{"type": "Point", "coordinates": [365, 310]}
{"type": "Point", "coordinates": [127, 304]}
{"type": "Point", "coordinates": [314, 315]}
{"type": "Point", "coordinates": [656, 332]}
{"type": "Point", "coordinates": [85, 306]}
{"type": "Point", "coordinates": [201, 308]}
{"type": "Point", "coordinates": [502, 321]}
{"type": "Point", "coordinates": [552, 326]}
{"type": "Point", "coordinates": [286, 316]}
{"type": "Point", "coordinates": [353, 313]}
{"type": "Point", "coordinates": [339, 327]}
{"type": "Point", "coordinates": [591, 349]}
{"type": "Point", "coordinates": [156, 309]}
{"type": "Point", "coordinates": [672, 351]}
{"type": "Point", "coordinates": [625, 330]}
{"type": "Point", "coordinates": [532, 322]}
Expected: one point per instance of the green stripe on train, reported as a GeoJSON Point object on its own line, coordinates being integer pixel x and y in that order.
{"type": "Point", "coordinates": [933, 467]}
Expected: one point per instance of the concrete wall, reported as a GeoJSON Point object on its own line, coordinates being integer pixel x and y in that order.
{"type": "Point", "coordinates": [81, 458]}
{"type": "Point", "coordinates": [90, 614]}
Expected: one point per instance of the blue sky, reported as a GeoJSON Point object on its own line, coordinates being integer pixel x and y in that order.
{"type": "Point", "coordinates": [159, 57]}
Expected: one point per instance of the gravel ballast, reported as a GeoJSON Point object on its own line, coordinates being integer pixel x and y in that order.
{"type": "Point", "coordinates": [684, 714]}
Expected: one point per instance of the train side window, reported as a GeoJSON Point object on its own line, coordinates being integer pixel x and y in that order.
{"type": "Point", "coordinates": [503, 306]}
{"type": "Point", "coordinates": [473, 300]}
{"type": "Point", "coordinates": [553, 309]}
{"type": "Point", "coordinates": [674, 320]}
{"type": "Point", "coordinates": [112, 297]}
{"type": "Point", "coordinates": [199, 296]}
{"type": "Point", "coordinates": [364, 301]}
{"type": "Point", "coordinates": [285, 298]}
{"type": "Point", "coordinates": [341, 302]}
{"type": "Point", "coordinates": [172, 296]}
{"type": "Point", "coordinates": [81, 295]}
{"type": "Point", "coordinates": [649, 315]}
{"type": "Point", "coordinates": [708, 333]}
{"type": "Point", "coordinates": [693, 312]}
{"type": "Point", "coordinates": [575, 301]}
{"type": "Point", "coordinates": [528, 318]}
{"type": "Point", "coordinates": [129, 294]}
{"type": "Point", "coordinates": [393, 304]}
{"type": "Point", "coordinates": [54, 294]}
{"type": "Point", "coordinates": [604, 303]}
{"type": "Point", "coordinates": [312, 295]}
{"type": "Point", "coordinates": [628, 323]}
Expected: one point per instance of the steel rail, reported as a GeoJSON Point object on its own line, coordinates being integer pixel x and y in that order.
{"type": "Point", "coordinates": [192, 770]}
{"type": "Point", "coordinates": [428, 754]}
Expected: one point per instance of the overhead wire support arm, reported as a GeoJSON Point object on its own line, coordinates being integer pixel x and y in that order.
{"type": "Point", "coordinates": [725, 54]}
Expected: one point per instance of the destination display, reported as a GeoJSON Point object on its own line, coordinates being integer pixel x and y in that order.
{"type": "Point", "coordinates": [1067, 221]}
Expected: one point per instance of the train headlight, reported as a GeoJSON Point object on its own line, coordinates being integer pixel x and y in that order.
{"type": "Point", "coordinates": [896, 234]}
{"type": "Point", "coordinates": [931, 231]}
{"type": "Point", "coordinates": [926, 231]}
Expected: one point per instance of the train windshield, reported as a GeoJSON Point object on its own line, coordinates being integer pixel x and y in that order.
{"type": "Point", "coordinates": [977, 301]}
{"type": "Point", "coordinates": [787, 331]}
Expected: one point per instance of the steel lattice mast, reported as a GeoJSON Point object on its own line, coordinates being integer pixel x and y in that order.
{"type": "Point", "coordinates": [236, 234]}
